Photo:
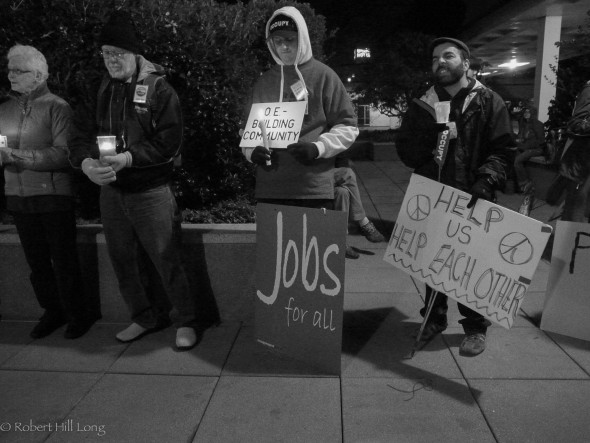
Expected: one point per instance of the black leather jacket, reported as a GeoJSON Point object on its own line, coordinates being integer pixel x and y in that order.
{"type": "Point", "coordinates": [150, 131]}
{"type": "Point", "coordinates": [484, 136]}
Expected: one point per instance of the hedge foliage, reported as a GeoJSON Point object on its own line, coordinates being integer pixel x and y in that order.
{"type": "Point", "coordinates": [213, 53]}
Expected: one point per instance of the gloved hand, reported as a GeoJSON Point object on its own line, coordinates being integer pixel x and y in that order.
{"type": "Point", "coordinates": [97, 172]}
{"type": "Point", "coordinates": [482, 188]}
{"type": "Point", "coordinates": [438, 127]}
{"type": "Point", "coordinates": [119, 161]}
{"type": "Point", "coordinates": [260, 155]}
{"type": "Point", "coordinates": [304, 153]}
{"type": "Point", "coordinates": [5, 157]}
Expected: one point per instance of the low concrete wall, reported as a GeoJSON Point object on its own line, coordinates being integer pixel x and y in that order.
{"type": "Point", "coordinates": [219, 260]}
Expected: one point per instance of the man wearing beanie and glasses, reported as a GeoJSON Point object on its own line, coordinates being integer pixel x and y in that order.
{"type": "Point", "coordinates": [303, 174]}
{"type": "Point", "coordinates": [139, 213]}
{"type": "Point", "coordinates": [476, 160]}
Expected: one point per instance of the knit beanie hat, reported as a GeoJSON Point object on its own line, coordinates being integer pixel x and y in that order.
{"type": "Point", "coordinates": [282, 23]}
{"type": "Point", "coordinates": [120, 32]}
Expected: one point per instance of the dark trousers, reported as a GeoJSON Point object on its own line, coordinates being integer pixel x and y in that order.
{"type": "Point", "coordinates": [473, 322]}
{"type": "Point", "coordinates": [49, 243]}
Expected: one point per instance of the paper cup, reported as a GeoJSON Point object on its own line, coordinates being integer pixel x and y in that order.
{"type": "Point", "coordinates": [107, 145]}
{"type": "Point", "coordinates": [442, 109]}
{"type": "Point", "coordinates": [3, 141]}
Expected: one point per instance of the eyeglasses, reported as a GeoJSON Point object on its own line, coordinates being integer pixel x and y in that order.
{"type": "Point", "coordinates": [280, 41]}
{"type": "Point", "coordinates": [113, 54]}
{"type": "Point", "coordinates": [18, 71]}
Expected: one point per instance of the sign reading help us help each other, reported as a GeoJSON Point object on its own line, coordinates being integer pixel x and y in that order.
{"type": "Point", "coordinates": [483, 257]}
{"type": "Point", "coordinates": [282, 121]}
{"type": "Point", "coordinates": [300, 283]}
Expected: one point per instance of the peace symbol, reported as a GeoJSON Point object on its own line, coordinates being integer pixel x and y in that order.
{"type": "Point", "coordinates": [418, 207]}
{"type": "Point", "coordinates": [515, 248]}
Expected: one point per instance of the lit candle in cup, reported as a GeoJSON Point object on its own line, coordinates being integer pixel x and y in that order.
{"type": "Point", "coordinates": [264, 138]}
{"type": "Point", "coordinates": [442, 110]}
{"type": "Point", "coordinates": [107, 145]}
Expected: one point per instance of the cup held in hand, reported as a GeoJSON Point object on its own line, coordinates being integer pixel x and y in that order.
{"type": "Point", "coordinates": [442, 109]}
{"type": "Point", "coordinates": [107, 145]}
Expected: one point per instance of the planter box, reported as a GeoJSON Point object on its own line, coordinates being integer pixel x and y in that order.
{"type": "Point", "coordinates": [219, 261]}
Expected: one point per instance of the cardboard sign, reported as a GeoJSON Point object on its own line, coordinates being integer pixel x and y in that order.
{"type": "Point", "coordinates": [567, 304]}
{"type": "Point", "coordinates": [300, 283]}
{"type": "Point", "coordinates": [282, 121]}
{"type": "Point", "coordinates": [483, 257]}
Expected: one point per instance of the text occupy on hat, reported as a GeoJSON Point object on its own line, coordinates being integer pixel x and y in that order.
{"type": "Point", "coordinates": [458, 43]}
{"type": "Point", "coordinates": [282, 23]}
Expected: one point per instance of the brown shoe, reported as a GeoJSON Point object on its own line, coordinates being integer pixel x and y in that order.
{"type": "Point", "coordinates": [473, 344]}
{"type": "Point", "coordinates": [371, 233]}
{"type": "Point", "coordinates": [351, 253]}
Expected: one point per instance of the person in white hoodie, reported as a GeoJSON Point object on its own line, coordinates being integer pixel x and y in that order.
{"type": "Point", "coordinates": [303, 174]}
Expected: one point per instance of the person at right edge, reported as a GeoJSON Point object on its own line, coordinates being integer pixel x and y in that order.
{"type": "Point", "coordinates": [303, 174]}
{"type": "Point", "coordinates": [476, 161]}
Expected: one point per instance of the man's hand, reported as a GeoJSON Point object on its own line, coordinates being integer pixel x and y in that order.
{"type": "Point", "coordinates": [260, 155]}
{"type": "Point", "coordinates": [97, 172]}
{"type": "Point", "coordinates": [304, 153]}
{"type": "Point", "coordinates": [118, 162]}
{"type": "Point", "coordinates": [482, 188]}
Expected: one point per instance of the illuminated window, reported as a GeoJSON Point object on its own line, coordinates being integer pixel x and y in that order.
{"type": "Point", "coordinates": [362, 53]}
{"type": "Point", "coordinates": [363, 115]}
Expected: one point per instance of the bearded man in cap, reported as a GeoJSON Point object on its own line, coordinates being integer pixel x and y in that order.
{"type": "Point", "coordinates": [303, 174]}
{"type": "Point", "coordinates": [139, 213]}
{"type": "Point", "coordinates": [476, 160]}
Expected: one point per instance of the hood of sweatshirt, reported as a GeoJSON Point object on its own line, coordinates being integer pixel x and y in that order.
{"type": "Point", "coordinates": [304, 53]}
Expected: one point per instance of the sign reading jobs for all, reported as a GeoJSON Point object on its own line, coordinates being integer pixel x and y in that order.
{"type": "Point", "coordinates": [300, 283]}
{"type": "Point", "coordinates": [282, 122]}
{"type": "Point", "coordinates": [483, 257]}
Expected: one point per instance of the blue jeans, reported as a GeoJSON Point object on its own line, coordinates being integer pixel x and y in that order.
{"type": "Point", "coordinates": [143, 236]}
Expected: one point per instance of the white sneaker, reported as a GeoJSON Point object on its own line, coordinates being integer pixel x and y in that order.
{"type": "Point", "coordinates": [131, 333]}
{"type": "Point", "coordinates": [186, 338]}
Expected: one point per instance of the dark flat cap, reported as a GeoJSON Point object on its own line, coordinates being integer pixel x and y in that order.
{"type": "Point", "coordinates": [458, 43]}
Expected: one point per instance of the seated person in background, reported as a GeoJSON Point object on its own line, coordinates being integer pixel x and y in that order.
{"type": "Point", "coordinates": [348, 199]}
{"type": "Point", "coordinates": [530, 143]}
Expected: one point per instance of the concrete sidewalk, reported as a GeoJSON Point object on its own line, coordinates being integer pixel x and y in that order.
{"type": "Point", "coordinates": [528, 386]}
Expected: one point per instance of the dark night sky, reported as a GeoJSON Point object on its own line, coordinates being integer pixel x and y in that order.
{"type": "Point", "coordinates": [378, 17]}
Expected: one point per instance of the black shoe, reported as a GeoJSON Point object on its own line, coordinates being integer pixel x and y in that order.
{"type": "Point", "coordinates": [47, 324]}
{"type": "Point", "coordinates": [78, 327]}
{"type": "Point", "coordinates": [432, 329]}
{"type": "Point", "coordinates": [351, 253]}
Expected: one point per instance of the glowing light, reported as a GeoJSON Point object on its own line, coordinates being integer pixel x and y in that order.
{"type": "Point", "coordinates": [513, 64]}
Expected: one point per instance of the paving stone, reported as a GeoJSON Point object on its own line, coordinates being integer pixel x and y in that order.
{"type": "Point", "coordinates": [536, 411]}
{"type": "Point", "coordinates": [578, 350]}
{"type": "Point", "coordinates": [156, 354]}
{"type": "Point", "coordinates": [273, 410]}
{"type": "Point", "coordinates": [14, 337]}
{"type": "Point", "coordinates": [94, 352]}
{"type": "Point", "coordinates": [411, 410]}
{"type": "Point", "coordinates": [34, 402]}
{"type": "Point", "coordinates": [518, 353]}
{"type": "Point", "coordinates": [248, 356]}
{"type": "Point", "coordinates": [141, 408]}
{"type": "Point", "coordinates": [377, 342]}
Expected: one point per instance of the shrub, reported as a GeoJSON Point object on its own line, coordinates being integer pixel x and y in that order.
{"type": "Point", "coordinates": [212, 52]}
